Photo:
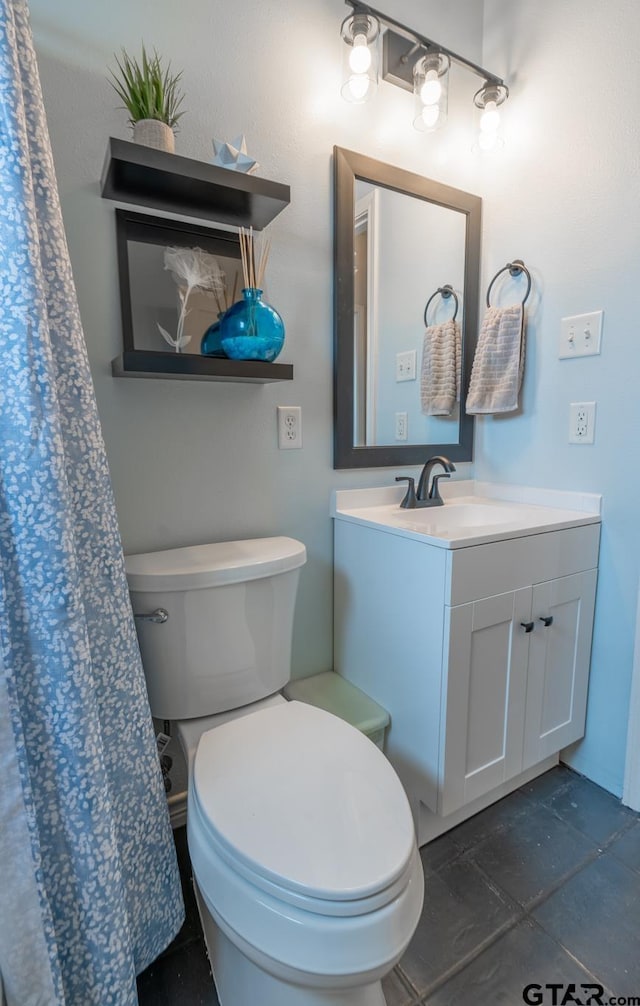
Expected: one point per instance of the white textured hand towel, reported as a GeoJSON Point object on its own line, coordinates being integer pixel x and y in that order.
{"type": "Point", "coordinates": [498, 363]}
{"type": "Point", "coordinates": [440, 374]}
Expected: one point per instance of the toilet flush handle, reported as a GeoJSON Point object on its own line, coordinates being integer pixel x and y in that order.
{"type": "Point", "coordinates": [160, 615]}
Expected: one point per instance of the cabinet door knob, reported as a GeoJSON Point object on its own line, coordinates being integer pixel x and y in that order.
{"type": "Point", "coordinates": [547, 619]}
{"type": "Point", "coordinates": [527, 626]}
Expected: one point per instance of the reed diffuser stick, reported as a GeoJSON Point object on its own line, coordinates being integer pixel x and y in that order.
{"type": "Point", "coordinates": [244, 251]}
{"type": "Point", "coordinates": [264, 255]}
{"type": "Point", "coordinates": [255, 255]}
{"type": "Point", "coordinates": [243, 254]}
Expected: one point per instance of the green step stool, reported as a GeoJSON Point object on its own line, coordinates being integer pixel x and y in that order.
{"type": "Point", "coordinates": [332, 692]}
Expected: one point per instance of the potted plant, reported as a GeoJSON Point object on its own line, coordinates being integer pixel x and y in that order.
{"type": "Point", "coordinates": [151, 95]}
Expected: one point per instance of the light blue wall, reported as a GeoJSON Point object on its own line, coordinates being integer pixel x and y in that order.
{"type": "Point", "coordinates": [565, 197]}
{"type": "Point", "coordinates": [197, 462]}
{"type": "Point", "coordinates": [194, 462]}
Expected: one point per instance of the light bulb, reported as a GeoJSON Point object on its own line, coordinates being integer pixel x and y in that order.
{"type": "Point", "coordinates": [430, 115]}
{"type": "Point", "coordinates": [360, 55]}
{"type": "Point", "coordinates": [490, 118]}
{"type": "Point", "coordinates": [358, 85]}
{"type": "Point", "coordinates": [431, 89]}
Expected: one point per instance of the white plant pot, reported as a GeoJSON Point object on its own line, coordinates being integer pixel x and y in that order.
{"type": "Point", "coordinates": [153, 133]}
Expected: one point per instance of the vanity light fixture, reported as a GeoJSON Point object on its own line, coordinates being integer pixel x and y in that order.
{"type": "Point", "coordinates": [360, 33]}
{"type": "Point", "coordinates": [416, 63]}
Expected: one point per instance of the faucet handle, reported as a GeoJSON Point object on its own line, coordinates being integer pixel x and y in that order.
{"type": "Point", "coordinates": [409, 502]}
{"type": "Point", "coordinates": [434, 492]}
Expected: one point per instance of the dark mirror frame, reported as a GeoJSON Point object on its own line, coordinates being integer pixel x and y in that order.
{"type": "Point", "coordinates": [349, 166]}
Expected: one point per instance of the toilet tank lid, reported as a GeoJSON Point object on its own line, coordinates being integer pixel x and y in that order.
{"type": "Point", "coordinates": [214, 564]}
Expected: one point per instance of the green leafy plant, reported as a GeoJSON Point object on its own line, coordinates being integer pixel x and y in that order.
{"type": "Point", "coordinates": [146, 89]}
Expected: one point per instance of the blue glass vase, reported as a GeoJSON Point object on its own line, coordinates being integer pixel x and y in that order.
{"type": "Point", "coordinates": [251, 329]}
{"type": "Point", "coordinates": [210, 344]}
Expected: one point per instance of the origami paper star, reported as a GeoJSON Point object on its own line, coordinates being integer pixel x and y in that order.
{"type": "Point", "coordinates": [234, 155]}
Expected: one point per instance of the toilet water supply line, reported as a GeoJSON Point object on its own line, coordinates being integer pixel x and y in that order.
{"type": "Point", "coordinates": [159, 617]}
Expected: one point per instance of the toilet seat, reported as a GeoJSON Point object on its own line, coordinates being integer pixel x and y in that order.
{"type": "Point", "coordinates": [305, 808]}
{"type": "Point", "coordinates": [302, 846]}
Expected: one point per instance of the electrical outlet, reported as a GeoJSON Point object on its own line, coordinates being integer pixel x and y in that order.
{"type": "Point", "coordinates": [402, 425]}
{"type": "Point", "coordinates": [289, 427]}
{"type": "Point", "coordinates": [582, 422]}
{"type": "Point", "coordinates": [406, 364]}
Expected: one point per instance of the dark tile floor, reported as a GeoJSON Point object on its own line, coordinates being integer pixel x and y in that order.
{"type": "Point", "coordinates": [542, 887]}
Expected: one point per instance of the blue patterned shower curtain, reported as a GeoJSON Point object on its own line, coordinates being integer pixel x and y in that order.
{"type": "Point", "coordinates": [89, 887]}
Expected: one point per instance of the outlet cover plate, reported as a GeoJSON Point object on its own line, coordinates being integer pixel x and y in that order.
{"type": "Point", "coordinates": [289, 427]}
{"type": "Point", "coordinates": [582, 422]}
{"type": "Point", "coordinates": [402, 426]}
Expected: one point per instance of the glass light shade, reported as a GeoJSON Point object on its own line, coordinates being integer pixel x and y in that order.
{"type": "Point", "coordinates": [431, 91]}
{"type": "Point", "coordinates": [430, 116]}
{"type": "Point", "coordinates": [360, 34]}
{"type": "Point", "coordinates": [488, 140]}
{"type": "Point", "coordinates": [488, 100]}
{"type": "Point", "coordinates": [357, 88]}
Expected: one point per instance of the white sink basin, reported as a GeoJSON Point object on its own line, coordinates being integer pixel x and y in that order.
{"type": "Point", "coordinates": [461, 514]}
{"type": "Point", "coordinates": [465, 520]}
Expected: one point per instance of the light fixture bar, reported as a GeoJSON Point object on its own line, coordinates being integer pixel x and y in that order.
{"type": "Point", "coordinates": [398, 58]}
{"type": "Point", "coordinates": [397, 67]}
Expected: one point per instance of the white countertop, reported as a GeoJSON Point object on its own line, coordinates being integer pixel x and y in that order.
{"type": "Point", "coordinates": [473, 513]}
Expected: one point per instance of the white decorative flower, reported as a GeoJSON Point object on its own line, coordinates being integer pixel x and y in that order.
{"type": "Point", "coordinates": [192, 269]}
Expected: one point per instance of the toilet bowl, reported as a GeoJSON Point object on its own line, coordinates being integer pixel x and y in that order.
{"type": "Point", "coordinates": [306, 870]}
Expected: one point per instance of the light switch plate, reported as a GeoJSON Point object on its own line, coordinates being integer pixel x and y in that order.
{"type": "Point", "coordinates": [406, 364]}
{"type": "Point", "coordinates": [580, 335]}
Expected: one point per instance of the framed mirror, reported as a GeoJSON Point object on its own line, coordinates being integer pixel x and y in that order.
{"type": "Point", "coordinates": [407, 256]}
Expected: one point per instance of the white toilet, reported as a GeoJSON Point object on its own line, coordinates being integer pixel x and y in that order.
{"type": "Point", "coordinates": [306, 869]}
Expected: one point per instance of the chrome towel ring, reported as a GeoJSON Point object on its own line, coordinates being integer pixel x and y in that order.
{"type": "Point", "coordinates": [516, 268]}
{"type": "Point", "coordinates": [445, 292]}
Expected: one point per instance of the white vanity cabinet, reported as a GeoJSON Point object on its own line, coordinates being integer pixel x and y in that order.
{"type": "Point", "coordinates": [515, 684]}
{"type": "Point", "coordinates": [439, 637]}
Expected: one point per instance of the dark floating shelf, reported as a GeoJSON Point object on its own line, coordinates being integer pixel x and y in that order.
{"type": "Point", "coordinates": [133, 173]}
{"type": "Point", "coordinates": [189, 367]}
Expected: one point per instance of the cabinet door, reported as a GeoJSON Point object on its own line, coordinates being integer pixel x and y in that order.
{"type": "Point", "coordinates": [484, 696]}
{"type": "Point", "coordinates": [559, 659]}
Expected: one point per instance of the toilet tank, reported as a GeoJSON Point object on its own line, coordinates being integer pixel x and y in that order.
{"type": "Point", "coordinates": [227, 639]}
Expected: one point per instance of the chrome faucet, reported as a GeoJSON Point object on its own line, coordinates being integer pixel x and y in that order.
{"type": "Point", "coordinates": [430, 495]}
{"type": "Point", "coordinates": [426, 495]}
